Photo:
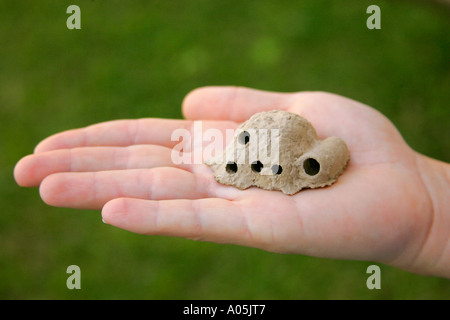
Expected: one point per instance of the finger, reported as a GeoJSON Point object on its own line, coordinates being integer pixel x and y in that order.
{"type": "Point", "coordinates": [248, 222]}
{"type": "Point", "coordinates": [32, 169]}
{"type": "Point", "coordinates": [232, 103]}
{"type": "Point", "coordinates": [216, 220]}
{"type": "Point", "coordinates": [91, 190]}
{"type": "Point", "coordinates": [125, 133]}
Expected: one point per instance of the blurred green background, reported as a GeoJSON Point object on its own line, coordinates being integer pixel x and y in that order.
{"type": "Point", "coordinates": [136, 59]}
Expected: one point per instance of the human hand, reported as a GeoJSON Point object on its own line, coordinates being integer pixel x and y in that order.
{"type": "Point", "coordinates": [383, 208]}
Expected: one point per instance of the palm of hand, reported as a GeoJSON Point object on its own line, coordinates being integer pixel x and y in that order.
{"type": "Point", "coordinates": [370, 213]}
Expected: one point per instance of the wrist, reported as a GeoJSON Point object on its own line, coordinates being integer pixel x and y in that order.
{"type": "Point", "coordinates": [434, 256]}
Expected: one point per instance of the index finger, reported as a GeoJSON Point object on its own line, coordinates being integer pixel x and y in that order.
{"type": "Point", "coordinates": [125, 133]}
{"type": "Point", "coordinates": [232, 103]}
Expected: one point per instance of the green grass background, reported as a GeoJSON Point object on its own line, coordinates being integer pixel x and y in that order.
{"type": "Point", "coordinates": [136, 59]}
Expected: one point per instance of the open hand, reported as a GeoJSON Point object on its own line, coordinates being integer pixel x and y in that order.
{"type": "Point", "coordinates": [380, 209]}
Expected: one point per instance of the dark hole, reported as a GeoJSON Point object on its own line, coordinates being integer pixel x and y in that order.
{"type": "Point", "coordinates": [244, 137]}
{"type": "Point", "coordinates": [311, 166]}
{"type": "Point", "coordinates": [231, 167]}
{"type": "Point", "coordinates": [257, 166]}
{"type": "Point", "coordinates": [277, 169]}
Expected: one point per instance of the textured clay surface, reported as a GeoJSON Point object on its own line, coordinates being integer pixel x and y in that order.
{"type": "Point", "coordinates": [279, 150]}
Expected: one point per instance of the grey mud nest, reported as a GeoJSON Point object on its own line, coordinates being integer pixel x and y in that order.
{"type": "Point", "coordinates": [279, 150]}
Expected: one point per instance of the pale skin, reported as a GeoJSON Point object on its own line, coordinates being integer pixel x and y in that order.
{"type": "Point", "coordinates": [391, 205]}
